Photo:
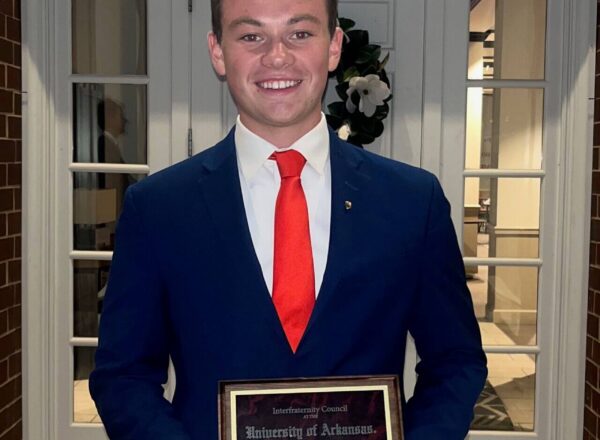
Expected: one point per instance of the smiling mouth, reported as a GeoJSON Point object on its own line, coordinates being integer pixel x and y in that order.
{"type": "Point", "coordinates": [278, 85]}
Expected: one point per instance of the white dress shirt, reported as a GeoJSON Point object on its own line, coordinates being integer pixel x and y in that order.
{"type": "Point", "coordinates": [260, 180]}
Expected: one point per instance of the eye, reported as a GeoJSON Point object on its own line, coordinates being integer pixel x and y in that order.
{"type": "Point", "coordinates": [250, 38]}
{"type": "Point", "coordinates": [301, 35]}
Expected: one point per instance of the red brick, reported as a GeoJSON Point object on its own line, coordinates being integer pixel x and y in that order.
{"type": "Point", "coordinates": [14, 317]}
{"type": "Point", "coordinates": [3, 126]}
{"type": "Point", "coordinates": [17, 9]}
{"type": "Point", "coordinates": [6, 7]}
{"type": "Point", "coordinates": [6, 101]}
{"type": "Point", "coordinates": [7, 297]}
{"type": "Point", "coordinates": [589, 421]}
{"type": "Point", "coordinates": [18, 151]}
{"type": "Point", "coordinates": [9, 343]}
{"type": "Point", "coordinates": [14, 127]}
{"type": "Point", "coordinates": [7, 150]}
{"type": "Point", "coordinates": [18, 198]}
{"type": "Point", "coordinates": [14, 433]}
{"type": "Point", "coordinates": [13, 29]}
{"type": "Point", "coordinates": [2, 75]}
{"type": "Point", "coordinates": [17, 103]}
{"type": "Point", "coordinates": [10, 415]}
{"type": "Point", "coordinates": [17, 292]}
{"type": "Point", "coordinates": [6, 51]}
{"type": "Point", "coordinates": [14, 174]}
{"type": "Point", "coordinates": [3, 269]}
{"type": "Point", "coordinates": [10, 391]}
{"type": "Point", "coordinates": [13, 78]}
{"type": "Point", "coordinates": [591, 373]}
{"type": "Point", "coordinates": [2, 176]}
{"type": "Point", "coordinates": [3, 371]}
{"type": "Point", "coordinates": [592, 324]}
{"type": "Point", "coordinates": [14, 364]}
{"type": "Point", "coordinates": [3, 323]}
{"type": "Point", "coordinates": [2, 25]}
{"type": "Point", "coordinates": [17, 55]}
{"type": "Point", "coordinates": [594, 280]}
{"type": "Point", "coordinates": [596, 307]}
{"type": "Point", "coordinates": [7, 249]}
{"type": "Point", "coordinates": [14, 223]}
{"type": "Point", "coordinates": [17, 248]}
{"type": "Point", "coordinates": [14, 271]}
{"type": "Point", "coordinates": [6, 200]}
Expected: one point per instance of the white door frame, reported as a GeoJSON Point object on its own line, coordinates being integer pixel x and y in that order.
{"type": "Point", "coordinates": [41, 145]}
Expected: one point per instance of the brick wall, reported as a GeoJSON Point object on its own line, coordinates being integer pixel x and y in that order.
{"type": "Point", "coordinates": [10, 220]}
{"type": "Point", "coordinates": [591, 421]}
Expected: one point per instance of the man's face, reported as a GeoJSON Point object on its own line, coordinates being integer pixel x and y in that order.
{"type": "Point", "coordinates": [275, 55]}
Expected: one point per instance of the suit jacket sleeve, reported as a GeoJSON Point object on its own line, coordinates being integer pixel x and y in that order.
{"type": "Point", "coordinates": [132, 356]}
{"type": "Point", "coordinates": [452, 368]}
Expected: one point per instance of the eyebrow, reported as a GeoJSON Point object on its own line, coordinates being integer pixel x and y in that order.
{"type": "Point", "coordinates": [253, 22]}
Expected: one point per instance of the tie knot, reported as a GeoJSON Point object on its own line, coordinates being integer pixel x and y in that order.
{"type": "Point", "coordinates": [290, 163]}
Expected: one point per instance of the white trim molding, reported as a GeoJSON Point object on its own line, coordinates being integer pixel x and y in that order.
{"type": "Point", "coordinates": [38, 134]}
{"type": "Point", "coordinates": [578, 74]}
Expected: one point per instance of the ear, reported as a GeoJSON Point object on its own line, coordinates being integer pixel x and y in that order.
{"type": "Point", "coordinates": [216, 54]}
{"type": "Point", "coordinates": [335, 48]}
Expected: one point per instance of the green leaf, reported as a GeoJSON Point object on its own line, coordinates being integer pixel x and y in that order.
{"type": "Point", "coordinates": [351, 72]}
{"type": "Point", "coordinates": [346, 23]}
{"type": "Point", "coordinates": [342, 89]}
{"type": "Point", "coordinates": [338, 109]}
{"type": "Point", "coordinates": [368, 54]}
{"type": "Point", "coordinates": [358, 37]}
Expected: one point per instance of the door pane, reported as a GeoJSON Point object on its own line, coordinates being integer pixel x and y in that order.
{"type": "Point", "coordinates": [97, 203]}
{"type": "Point", "coordinates": [507, 39]}
{"type": "Point", "coordinates": [502, 217]}
{"type": "Point", "coordinates": [505, 302]}
{"type": "Point", "coordinates": [507, 402]}
{"type": "Point", "coordinates": [109, 37]}
{"type": "Point", "coordinates": [504, 128]}
{"type": "Point", "coordinates": [110, 123]}
{"type": "Point", "coordinates": [84, 409]}
{"type": "Point", "coordinates": [89, 283]}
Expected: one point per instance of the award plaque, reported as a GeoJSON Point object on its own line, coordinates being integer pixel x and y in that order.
{"type": "Point", "coordinates": [357, 408]}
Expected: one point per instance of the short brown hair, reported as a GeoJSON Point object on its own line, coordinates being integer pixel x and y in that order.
{"type": "Point", "coordinates": [217, 15]}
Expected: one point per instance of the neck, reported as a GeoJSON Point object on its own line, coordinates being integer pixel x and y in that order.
{"type": "Point", "coordinates": [281, 137]}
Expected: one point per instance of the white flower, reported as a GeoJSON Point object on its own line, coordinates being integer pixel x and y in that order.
{"type": "Point", "coordinates": [344, 132]}
{"type": "Point", "coordinates": [372, 93]}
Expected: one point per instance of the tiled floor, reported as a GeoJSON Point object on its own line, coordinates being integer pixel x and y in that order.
{"type": "Point", "coordinates": [85, 410]}
{"type": "Point", "coordinates": [511, 375]}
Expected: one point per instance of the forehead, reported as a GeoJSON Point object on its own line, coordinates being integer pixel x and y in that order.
{"type": "Point", "coordinates": [272, 10]}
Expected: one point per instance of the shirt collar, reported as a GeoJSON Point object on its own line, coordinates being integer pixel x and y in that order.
{"type": "Point", "coordinates": [253, 151]}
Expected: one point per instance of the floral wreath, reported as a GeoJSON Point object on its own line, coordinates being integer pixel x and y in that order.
{"type": "Point", "coordinates": [363, 85]}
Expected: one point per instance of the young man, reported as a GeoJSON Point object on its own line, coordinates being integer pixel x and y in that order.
{"type": "Point", "coordinates": [282, 252]}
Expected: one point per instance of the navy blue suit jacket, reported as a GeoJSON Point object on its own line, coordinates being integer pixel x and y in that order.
{"type": "Point", "coordinates": [185, 282]}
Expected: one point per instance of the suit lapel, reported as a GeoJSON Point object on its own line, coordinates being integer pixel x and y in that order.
{"type": "Point", "coordinates": [349, 199]}
{"type": "Point", "coordinates": [220, 187]}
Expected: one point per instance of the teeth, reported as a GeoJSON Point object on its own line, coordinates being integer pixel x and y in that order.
{"type": "Point", "coordinates": [277, 85]}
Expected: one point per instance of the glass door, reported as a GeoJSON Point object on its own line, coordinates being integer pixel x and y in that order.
{"type": "Point", "coordinates": [115, 107]}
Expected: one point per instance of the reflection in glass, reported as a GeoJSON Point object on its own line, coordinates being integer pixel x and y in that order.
{"type": "Point", "coordinates": [507, 402]}
{"type": "Point", "coordinates": [89, 283]}
{"type": "Point", "coordinates": [504, 128]}
{"type": "Point", "coordinates": [505, 302]}
{"type": "Point", "coordinates": [84, 409]}
{"type": "Point", "coordinates": [109, 37]}
{"type": "Point", "coordinates": [97, 203]}
{"type": "Point", "coordinates": [507, 39]}
{"type": "Point", "coordinates": [502, 217]}
{"type": "Point", "coordinates": [110, 123]}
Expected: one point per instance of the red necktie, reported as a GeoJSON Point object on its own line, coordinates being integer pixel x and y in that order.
{"type": "Point", "coordinates": [293, 273]}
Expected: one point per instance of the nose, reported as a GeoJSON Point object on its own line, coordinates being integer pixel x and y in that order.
{"type": "Point", "coordinates": [278, 55]}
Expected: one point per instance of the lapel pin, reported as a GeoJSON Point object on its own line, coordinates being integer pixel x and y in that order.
{"type": "Point", "coordinates": [348, 205]}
